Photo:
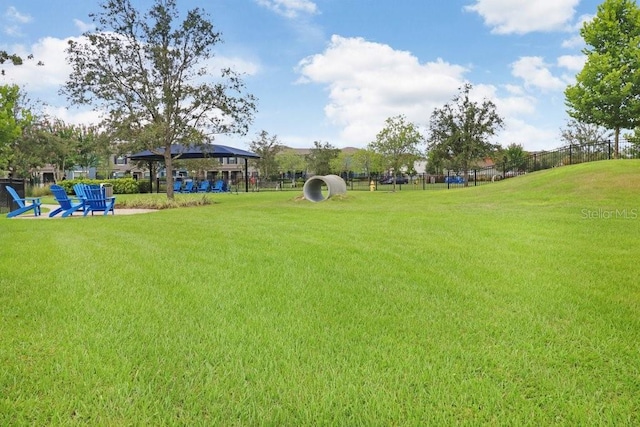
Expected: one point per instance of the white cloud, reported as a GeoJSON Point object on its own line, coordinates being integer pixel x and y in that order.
{"type": "Point", "coordinates": [573, 42]}
{"type": "Point", "coordinates": [516, 105]}
{"type": "Point", "coordinates": [12, 30]}
{"type": "Point", "coordinates": [369, 82]}
{"type": "Point", "coordinates": [237, 64]}
{"type": "Point", "coordinates": [83, 26]}
{"type": "Point", "coordinates": [514, 89]}
{"type": "Point", "coordinates": [576, 41]}
{"type": "Point", "coordinates": [41, 79]}
{"type": "Point", "coordinates": [531, 137]}
{"type": "Point", "coordinates": [536, 74]}
{"type": "Point", "coordinates": [13, 15]}
{"type": "Point", "coordinates": [290, 9]}
{"type": "Point", "coordinates": [572, 62]}
{"type": "Point", "coordinates": [13, 20]}
{"type": "Point", "coordinates": [583, 19]}
{"type": "Point", "coordinates": [74, 116]}
{"type": "Point", "coordinates": [524, 16]}
{"type": "Point", "coordinates": [42, 83]}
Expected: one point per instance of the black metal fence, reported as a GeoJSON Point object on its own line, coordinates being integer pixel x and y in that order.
{"type": "Point", "coordinates": [507, 168]}
{"type": "Point", "coordinates": [6, 201]}
{"type": "Point", "coordinates": [568, 155]}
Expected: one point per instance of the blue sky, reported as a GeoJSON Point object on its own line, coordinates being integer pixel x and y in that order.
{"type": "Point", "coordinates": [334, 70]}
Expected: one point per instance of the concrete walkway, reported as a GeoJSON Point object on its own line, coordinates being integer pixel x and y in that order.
{"type": "Point", "coordinates": [45, 215]}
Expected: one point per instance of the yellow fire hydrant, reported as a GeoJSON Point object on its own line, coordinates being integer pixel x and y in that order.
{"type": "Point", "coordinates": [372, 186]}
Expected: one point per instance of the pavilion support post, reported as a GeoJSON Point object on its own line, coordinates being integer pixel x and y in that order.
{"type": "Point", "coordinates": [150, 176]}
{"type": "Point", "coordinates": [246, 175]}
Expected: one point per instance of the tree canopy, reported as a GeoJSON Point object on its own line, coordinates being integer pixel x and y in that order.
{"type": "Point", "coordinates": [516, 157]}
{"type": "Point", "coordinates": [320, 157]}
{"type": "Point", "coordinates": [342, 164]}
{"type": "Point", "coordinates": [151, 74]}
{"type": "Point", "coordinates": [397, 143]}
{"type": "Point", "coordinates": [578, 133]}
{"type": "Point", "coordinates": [607, 90]}
{"type": "Point", "coordinates": [460, 131]}
{"type": "Point", "coordinates": [267, 148]}
{"type": "Point", "coordinates": [367, 161]}
{"type": "Point", "coordinates": [14, 117]}
{"type": "Point", "coordinates": [290, 161]}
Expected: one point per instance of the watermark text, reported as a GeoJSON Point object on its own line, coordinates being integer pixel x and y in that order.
{"type": "Point", "coordinates": [602, 213]}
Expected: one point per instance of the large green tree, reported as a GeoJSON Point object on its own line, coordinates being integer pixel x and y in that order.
{"type": "Point", "coordinates": [90, 146]}
{"type": "Point", "coordinates": [583, 134]}
{"type": "Point", "coordinates": [398, 145]}
{"type": "Point", "coordinates": [460, 132]}
{"type": "Point", "coordinates": [35, 148]}
{"type": "Point", "coordinates": [15, 116]}
{"type": "Point", "coordinates": [267, 147]}
{"type": "Point", "coordinates": [9, 124]}
{"type": "Point", "coordinates": [342, 164]}
{"type": "Point", "coordinates": [292, 162]}
{"type": "Point", "coordinates": [51, 141]}
{"type": "Point", "coordinates": [607, 90]}
{"type": "Point", "coordinates": [149, 73]}
{"type": "Point", "coordinates": [367, 162]}
{"type": "Point", "coordinates": [320, 157]}
{"type": "Point", "coordinates": [516, 157]}
{"type": "Point", "coordinates": [57, 141]}
{"type": "Point", "coordinates": [586, 139]}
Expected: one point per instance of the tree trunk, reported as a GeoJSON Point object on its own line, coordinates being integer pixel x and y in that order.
{"type": "Point", "coordinates": [169, 170]}
{"type": "Point", "coordinates": [616, 153]}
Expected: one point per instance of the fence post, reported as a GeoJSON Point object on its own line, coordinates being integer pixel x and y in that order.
{"type": "Point", "coordinates": [448, 180]}
{"type": "Point", "coordinates": [609, 152]}
{"type": "Point", "coordinates": [570, 154]}
{"type": "Point", "coordinates": [475, 177]}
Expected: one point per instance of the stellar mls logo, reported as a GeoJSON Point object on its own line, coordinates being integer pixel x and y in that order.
{"type": "Point", "coordinates": [609, 213]}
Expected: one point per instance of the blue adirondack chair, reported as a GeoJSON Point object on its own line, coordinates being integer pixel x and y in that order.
{"type": "Point", "coordinates": [188, 187]}
{"type": "Point", "coordinates": [203, 187]}
{"type": "Point", "coordinates": [219, 187]}
{"type": "Point", "coordinates": [79, 190]}
{"type": "Point", "coordinates": [24, 204]}
{"type": "Point", "coordinates": [177, 186]}
{"type": "Point", "coordinates": [95, 200]}
{"type": "Point", "coordinates": [67, 204]}
{"type": "Point", "coordinates": [454, 180]}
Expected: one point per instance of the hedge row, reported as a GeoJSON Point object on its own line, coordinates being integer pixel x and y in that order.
{"type": "Point", "coordinates": [120, 185]}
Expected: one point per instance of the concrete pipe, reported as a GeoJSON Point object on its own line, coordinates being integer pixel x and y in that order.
{"type": "Point", "coordinates": [313, 187]}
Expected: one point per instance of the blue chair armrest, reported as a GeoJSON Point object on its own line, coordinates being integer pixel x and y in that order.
{"type": "Point", "coordinates": [35, 200]}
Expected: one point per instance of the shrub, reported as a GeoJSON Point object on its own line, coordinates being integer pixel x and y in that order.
{"type": "Point", "coordinates": [145, 202]}
{"type": "Point", "coordinates": [144, 187]}
{"type": "Point", "coordinates": [124, 186]}
{"type": "Point", "coordinates": [37, 191]}
{"type": "Point", "coordinates": [120, 185]}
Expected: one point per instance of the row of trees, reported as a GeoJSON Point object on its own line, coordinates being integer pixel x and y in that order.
{"type": "Point", "coordinates": [397, 146]}
{"type": "Point", "coordinates": [146, 72]}
{"type": "Point", "coordinates": [151, 75]}
{"type": "Point", "coordinates": [460, 134]}
{"type": "Point", "coordinates": [29, 141]}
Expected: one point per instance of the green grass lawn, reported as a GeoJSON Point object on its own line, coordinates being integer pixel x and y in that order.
{"type": "Point", "coordinates": [515, 303]}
